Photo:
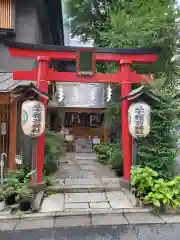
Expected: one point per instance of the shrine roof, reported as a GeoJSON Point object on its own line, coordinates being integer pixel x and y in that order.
{"type": "Point", "coordinates": [46, 47]}
{"type": "Point", "coordinates": [7, 84]}
{"type": "Point", "coordinates": [143, 93]}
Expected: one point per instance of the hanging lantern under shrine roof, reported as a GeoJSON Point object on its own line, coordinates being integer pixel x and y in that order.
{"type": "Point", "coordinates": [139, 113]}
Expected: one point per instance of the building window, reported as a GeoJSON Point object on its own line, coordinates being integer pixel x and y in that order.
{"type": "Point", "coordinates": [6, 14]}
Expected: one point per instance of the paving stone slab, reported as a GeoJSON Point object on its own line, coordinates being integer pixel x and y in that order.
{"type": "Point", "coordinates": [76, 205]}
{"type": "Point", "coordinates": [6, 214]}
{"type": "Point", "coordinates": [85, 197]}
{"type": "Point", "coordinates": [130, 196]}
{"type": "Point", "coordinates": [88, 167]}
{"type": "Point", "coordinates": [169, 218]}
{"type": "Point", "coordinates": [86, 162]}
{"type": "Point", "coordinates": [83, 188]}
{"type": "Point", "coordinates": [72, 210]}
{"type": "Point", "coordinates": [85, 181]}
{"type": "Point", "coordinates": [60, 182]}
{"type": "Point", "coordinates": [53, 203]}
{"type": "Point", "coordinates": [109, 181]}
{"type": "Point", "coordinates": [86, 157]}
{"type": "Point", "coordinates": [34, 224]}
{"type": "Point", "coordinates": [38, 215]}
{"type": "Point", "coordinates": [121, 203]}
{"type": "Point", "coordinates": [6, 211]}
{"type": "Point", "coordinates": [143, 218]}
{"type": "Point", "coordinates": [106, 211]}
{"type": "Point", "coordinates": [72, 213]}
{"type": "Point", "coordinates": [72, 221]}
{"type": "Point", "coordinates": [137, 210]}
{"type": "Point", "coordinates": [116, 195]}
{"type": "Point", "coordinates": [87, 174]}
{"type": "Point", "coordinates": [7, 225]}
{"type": "Point", "coordinates": [109, 220]}
{"type": "Point", "coordinates": [103, 205]}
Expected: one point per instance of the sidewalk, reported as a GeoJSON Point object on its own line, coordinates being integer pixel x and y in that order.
{"type": "Point", "coordinates": [55, 221]}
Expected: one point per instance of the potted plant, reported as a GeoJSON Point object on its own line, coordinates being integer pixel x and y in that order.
{"type": "Point", "coordinates": [2, 200]}
{"type": "Point", "coordinates": [24, 197]}
{"type": "Point", "coordinates": [10, 186]}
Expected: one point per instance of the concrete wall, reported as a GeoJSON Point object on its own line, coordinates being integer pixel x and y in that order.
{"type": "Point", "coordinates": [27, 30]}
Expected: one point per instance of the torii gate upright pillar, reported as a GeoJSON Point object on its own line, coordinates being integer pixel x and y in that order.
{"type": "Point", "coordinates": [42, 84]}
{"type": "Point", "coordinates": [126, 137]}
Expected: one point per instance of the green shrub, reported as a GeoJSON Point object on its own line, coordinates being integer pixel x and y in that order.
{"type": "Point", "coordinates": [142, 179]}
{"type": "Point", "coordinates": [110, 154]}
{"type": "Point", "coordinates": [54, 149]}
{"type": "Point", "coordinates": [151, 189]}
{"type": "Point", "coordinates": [102, 152]}
{"type": "Point", "coordinates": [159, 149]}
{"type": "Point", "coordinates": [115, 159]}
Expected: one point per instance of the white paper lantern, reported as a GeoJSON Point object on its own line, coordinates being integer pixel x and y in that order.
{"type": "Point", "coordinates": [139, 119]}
{"type": "Point", "coordinates": [33, 118]}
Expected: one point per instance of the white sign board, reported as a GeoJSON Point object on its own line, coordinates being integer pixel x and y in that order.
{"type": "Point", "coordinates": [3, 128]}
{"type": "Point", "coordinates": [18, 159]}
{"type": "Point", "coordinates": [33, 118]}
{"type": "Point", "coordinates": [139, 119]}
{"type": "Point", "coordinates": [96, 141]}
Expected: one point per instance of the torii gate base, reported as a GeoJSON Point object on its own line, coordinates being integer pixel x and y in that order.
{"type": "Point", "coordinates": [124, 57]}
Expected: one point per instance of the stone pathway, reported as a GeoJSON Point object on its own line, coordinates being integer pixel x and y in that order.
{"type": "Point", "coordinates": [85, 185]}
{"type": "Point", "coordinates": [83, 166]}
{"type": "Point", "coordinates": [87, 202]}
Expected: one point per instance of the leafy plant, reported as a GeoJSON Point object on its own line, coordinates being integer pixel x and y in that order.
{"type": "Point", "coordinates": [49, 180]}
{"type": "Point", "coordinates": [103, 152]}
{"type": "Point", "coordinates": [148, 187]}
{"type": "Point", "coordinates": [142, 180]}
{"type": "Point", "coordinates": [174, 186]}
{"type": "Point", "coordinates": [54, 149]}
{"type": "Point", "coordinates": [2, 193]}
{"type": "Point", "coordinates": [110, 154]}
{"type": "Point", "coordinates": [11, 185]}
{"type": "Point", "coordinates": [160, 194]}
{"type": "Point", "coordinates": [22, 175]}
{"type": "Point", "coordinates": [158, 150]}
{"type": "Point", "coordinates": [116, 158]}
{"type": "Point", "coordinates": [23, 192]}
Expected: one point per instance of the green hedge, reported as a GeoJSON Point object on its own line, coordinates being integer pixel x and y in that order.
{"type": "Point", "coordinates": [54, 149]}
{"type": "Point", "coordinates": [110, 154]}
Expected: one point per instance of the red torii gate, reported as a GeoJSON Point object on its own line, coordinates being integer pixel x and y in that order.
{"type": "Point", "coordinates": [42, 74]}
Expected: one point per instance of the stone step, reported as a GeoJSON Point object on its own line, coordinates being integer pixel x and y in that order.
{"type": "Point", "coordinates": [82, 189]}
{"type": "Point", "coordinates": [86, 185]}
{"type": "Point", "coordinates": [85, 158]}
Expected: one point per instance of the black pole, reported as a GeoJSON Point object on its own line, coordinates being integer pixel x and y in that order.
{"type": "Point", "coordinates": [134, 151]}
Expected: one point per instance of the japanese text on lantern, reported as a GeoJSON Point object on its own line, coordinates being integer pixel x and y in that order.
{"type": "Point", "coordinates": [139, 120]}
{"type": "Point", "coordinates": [36, 127]}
